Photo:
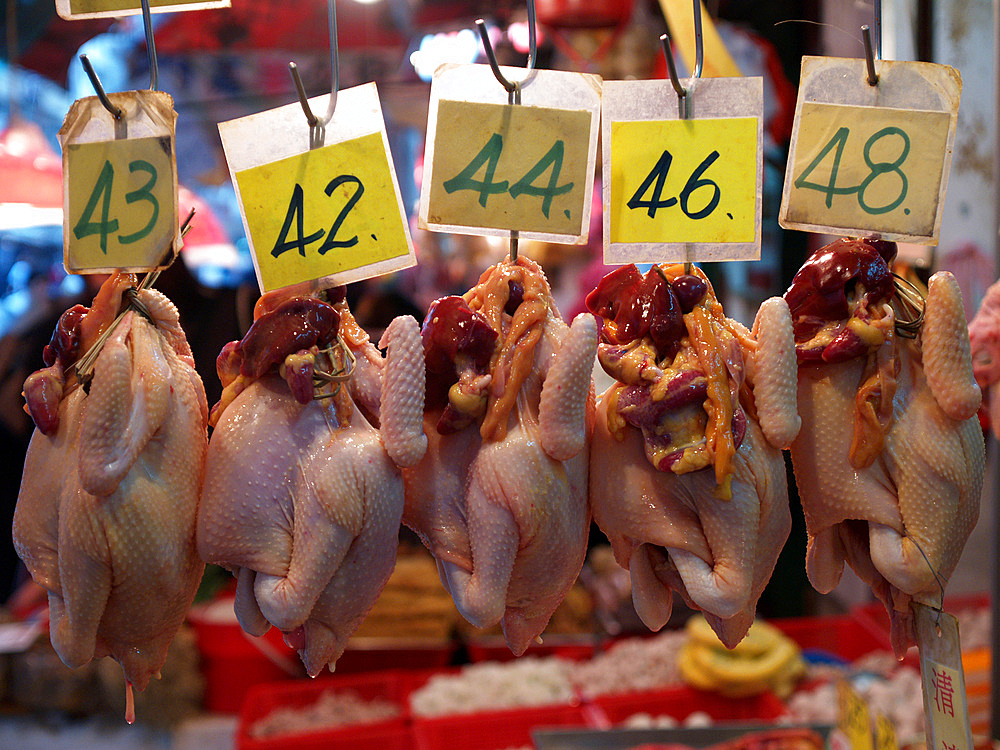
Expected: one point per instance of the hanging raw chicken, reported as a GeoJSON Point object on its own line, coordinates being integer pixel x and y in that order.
{"type": "Point", "coordinates": [687, 478]}
{"type": "Point", "coordinates": [889, 464]}
{"type": "Point", "coordinates": [303, 496]}
{"type": "Point", "coordinates": [105, 520]}
{"type": "Point", "coordinates": [500, 499]}
{"type": "Point", "coordinates": [984, 335]}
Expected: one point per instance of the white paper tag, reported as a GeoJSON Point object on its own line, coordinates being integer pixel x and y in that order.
{"type": "Point", "coordinates": [78, 9]}
{"type": "Point", "coordinates": [946, 705]}
{"type": "Point", "coordinates": [491, 168]}
{"type": "Point", "coordinates": [682, 190]}
{"type": "Point", "coordinates": [332, 213]}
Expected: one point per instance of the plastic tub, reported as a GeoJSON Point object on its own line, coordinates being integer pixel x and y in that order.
{"type": "Point", "coordinates": [681, 702]}
{"type": "Point", "coordinates": [390, 734]}
{"type": "Point", "coordinates": [494, 730]}
{"type": "Point", "coordinates": [232, 662]}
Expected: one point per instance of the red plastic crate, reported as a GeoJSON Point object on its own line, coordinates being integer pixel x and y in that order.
{"type": "Point", "coordinates": [681, 702]}
{"type": "Point", "coordinates": [875, 616]}
{"type": "Point", "coordinates": [567, 647]}
{"type": "Point", "coordinates": [376, 654]}
{"type": "Point", "coordinates": [843, 636]}
{"type": "Point", "coordinates": [392, 734]}
{"type": "Point", "coordinates": [494, 730]}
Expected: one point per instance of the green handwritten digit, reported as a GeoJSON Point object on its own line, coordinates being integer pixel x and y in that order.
{"type": "Point", "coordinates": [465, 180]}
{"type": "Point", "coordinates": [294, 213]}
{"type": "Point", "coordinates": [880, 168]}
{"type": "Point", "coordinates": [102, 192]}
{"type": "Point", "coordinates": [554, 159]}
{"type": "Point", "coordinates": [330, 243]}
{"type": "Point", "coordinates": [142, 194]}
{"type": "Point", "coordinates": [658, 174]}
{"type": "Point", "coordinates": [838, 142]}
{"type": "Point", "coordinates": [694, 182]}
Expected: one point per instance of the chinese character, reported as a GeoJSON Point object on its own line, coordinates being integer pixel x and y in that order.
{"type": "Point", "coordinates": [946, 746]}
{"type": "Point", "coordinates": [943, 692]}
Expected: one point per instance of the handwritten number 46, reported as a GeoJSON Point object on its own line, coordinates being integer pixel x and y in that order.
{"type": "Point", "coordinates": [658, 176]}
{"type": "Point", "coordinates": [296, 213]}
{"type": "Point", "coordinates": [101, 194]}
{"type": "Point", "coordinates": [489, 156]}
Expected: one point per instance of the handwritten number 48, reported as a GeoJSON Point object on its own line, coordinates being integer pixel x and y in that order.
{"type": "Point", "coordinates": [101, 194]}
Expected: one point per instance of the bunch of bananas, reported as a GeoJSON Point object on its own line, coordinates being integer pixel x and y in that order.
{"type": "Point", "coordinates": [765, 660]}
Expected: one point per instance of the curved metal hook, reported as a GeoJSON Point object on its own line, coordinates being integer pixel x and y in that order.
{"type": "Point", "coordinates": [88, 68]}
{"type": "Point", "coordinates": [331, 15]}
{"type": "Point", "coordinates": [510, 86]}
{"type": "Point", "coordinates": [154, 68]}
{"type": "Point", "coordinates": [877, 27]}
{"type": "Point", "coordinates": [699, 60]}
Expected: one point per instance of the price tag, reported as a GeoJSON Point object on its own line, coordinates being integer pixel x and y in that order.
{"type": "Point", "coordinates": [946, 705]}
{"type": "Point", "coordinates": [77, 9]}
{"type": "Point", "coordinates": [492, 167]}
{"type": "Point", "coordinates": [871, 160]}
{"type": "Point", "coordinates": [119, 183]}
{"type": "Point", "coordinates": [682, 190]}
{"type": "Point", "coordinates": [885, 734]}
{"type": "Point", "coordinates": [332, 213]}
{"type": "Point", "coordinates": [854, 720]}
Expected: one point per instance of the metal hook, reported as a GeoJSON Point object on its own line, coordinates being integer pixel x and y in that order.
{"type": "Point", "coordinates": [869, 56]}
{"type": "Point", "coordinates": [877, 27]}
{"type": "Point", "coordinates": [510, 86]}
{"type": "Point", "coordinates": [699, 61]}
{"type": "Point", "coordinates": [331, 15]}
{"type": "Point", "coordinates": [154, 68]}
{"type": "Point", "coordinates": [99, 88]}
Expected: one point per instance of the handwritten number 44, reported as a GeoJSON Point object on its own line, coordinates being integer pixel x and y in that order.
{"type": "Point", "coordinates": [296, 214]}
{"type": "Point", "coordinates": [656, 179]}
{"type": "Point", "coordinates": [101, 194]}
{"type": "Point", "coordinates": [488, 158]}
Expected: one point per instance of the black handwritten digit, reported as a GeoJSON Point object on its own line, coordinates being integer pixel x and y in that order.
{"type": "Point", "coordinates": [142, 194]}
{"type": "Point", "coordinates": [489, 155]}
{"type": "Point", "coordinates": [100, 194]}
{"type": "Point", "coordinates": [657, 174]}
{"type": "Point", "coordinates": [553, 159]}
{"type": "Point", "coordinates": [330, 243]}
{"type": "Point", "coordinates": [294, 213]}
{"type": "Point", "coordinates": [695, 181]}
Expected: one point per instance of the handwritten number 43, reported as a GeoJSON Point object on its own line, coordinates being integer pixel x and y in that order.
{"type": "Point", "coordinates": [101, 194]}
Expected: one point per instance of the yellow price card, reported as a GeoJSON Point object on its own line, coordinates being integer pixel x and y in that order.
{"type": "Point", "coordinates": [120, 203]}
{"type": "Point", "coordinates": [684, 180]}
{"type": "Point", "coordinates": [323, 212]}
{"type": "Point", "coordinates": [76, 9]}
{"type": "Point", "coordinates": [871, 160]}
{"type": "Point", "coordinates": [491, 167]}
{"type": "Point", "coordinates": [885, 734]}
{"type": "Point", "coordinates": [682, 189]}
{"type": "Point", "coordinates": [854, 720]}
{"type": "Point", "coordinates": [509, 167]}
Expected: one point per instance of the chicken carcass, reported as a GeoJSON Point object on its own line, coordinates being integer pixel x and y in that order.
{"type": "Point", "coordinates": [687, 478]}
{"type": "Point", "coordinates": [303, 497]}
{"type": "Point", "coordinates": [890, 464]}
{"type": "Point", "coordinates": [105, 520]}
{"type": "Point", "coordinates": [500, 499]}
{"type": "Point", "coordinates": [984, 336]}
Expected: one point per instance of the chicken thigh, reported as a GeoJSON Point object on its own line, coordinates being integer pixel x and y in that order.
{"type": "Point", "coordinates": [500, 499]}
{"type": "Point", "coordinates": [303, 497]}
{"type": "Point", "coordinates": [105, 520]}
{"type": "Point", "coordinates": [687, 478]}
{"type": "Point", "coordinates": [890, 465]}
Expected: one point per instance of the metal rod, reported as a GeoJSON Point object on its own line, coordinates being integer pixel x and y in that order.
{"type": "Point", "coordinates": [877, 28]}
{"type": "Point", "coordinates": [869, 58]}
{"type": "Point", "coordinates": [99, 88]}
{"type": "Point", "coordinates": [154, 68]}
{"type": "Point", "coordinates": [699, 41]}
{"type": "Point", "coordinates": [300, 90]}
{"type": "Point", "coordinates": [671, 66]}
{"type": "Point", "coordinates": [491, 56]}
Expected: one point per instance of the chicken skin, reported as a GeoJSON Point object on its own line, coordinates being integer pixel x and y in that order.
{"type": "Point", "coordinates": [687, 479]}
{"type": "Point", "coordinates": [105, 520]}
{"type": "Point", "coordinates": [890, 464]}
{"type": "Point", "coordinates": [500, 499]}
{"type": "Point", "coordinates": [303, 495]}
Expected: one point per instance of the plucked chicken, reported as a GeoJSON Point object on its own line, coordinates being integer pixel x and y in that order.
{"type": "Point", "coordinates": [687, 478]}
{"type": "Point", "coordinates": [105, 520]}
{"type": "Point", "coordinates": [984, 335]}
{"type": "Point", "coordinates": [890, 464]}
{"type": "Point", "coordinates": [500, 499]}
{"type": "Point", "coordinates": [303, 497]}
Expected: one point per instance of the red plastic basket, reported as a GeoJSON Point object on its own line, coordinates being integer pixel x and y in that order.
{"type": "Point", "coordinates": [875, 616]}
{"type": "Point", "coordinates": [681, 702]}
{"type": "Point", "coordinates": [375, 654]}
{"type": "Point", "coordinates": [842, 636]}
{"type": "Point", "coordinates": [392, 734]}
{"type": "Point", "coordinates": [494, 730]}
{"type": "Point", "coordinates": [568, 647]}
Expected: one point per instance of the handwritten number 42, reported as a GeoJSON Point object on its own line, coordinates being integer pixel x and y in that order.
{"type": "Point", "coordinates": [296, 213]}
